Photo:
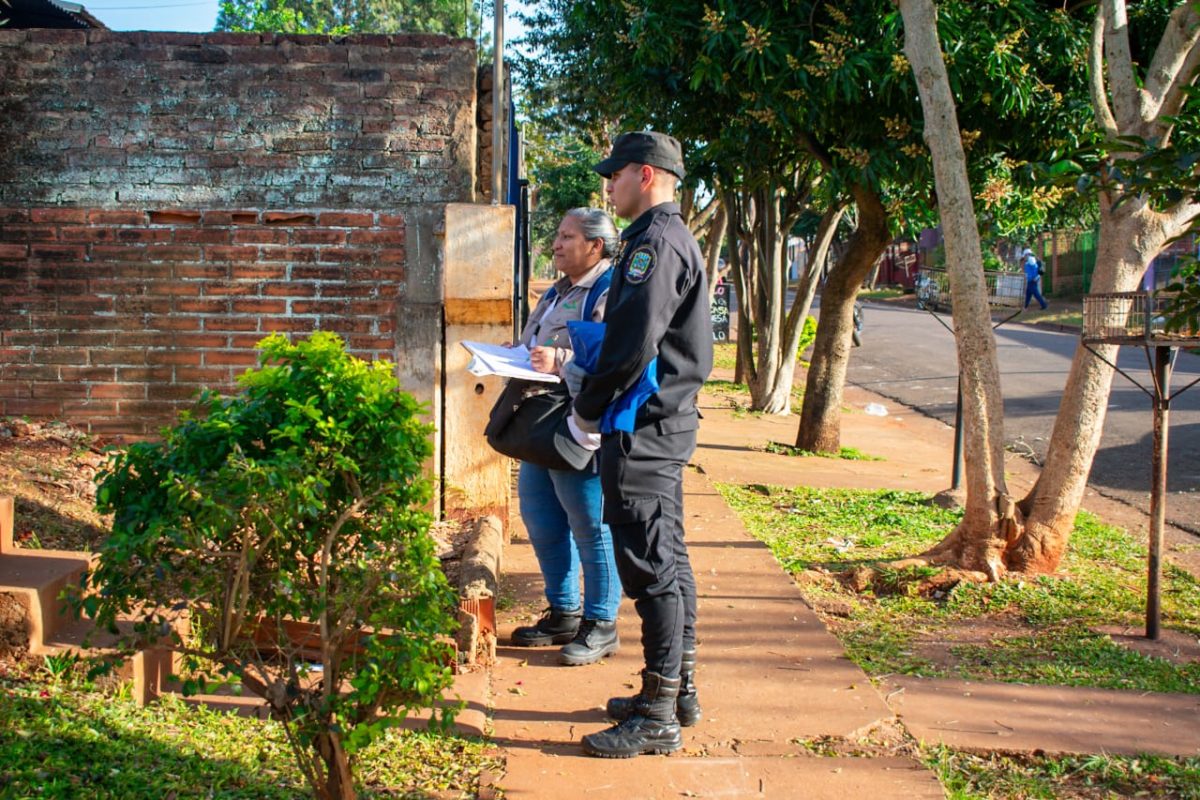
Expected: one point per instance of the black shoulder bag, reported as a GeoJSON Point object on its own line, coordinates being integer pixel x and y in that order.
{"type": "Point", "coordinates": [529, 420]}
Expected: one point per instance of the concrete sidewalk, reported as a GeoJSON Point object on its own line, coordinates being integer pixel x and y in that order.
{"type": "Point", "coordinates": [769, 674]}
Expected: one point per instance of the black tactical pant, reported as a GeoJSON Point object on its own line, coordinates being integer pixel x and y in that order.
{"type": "Point", "coordinates": [642, 477]}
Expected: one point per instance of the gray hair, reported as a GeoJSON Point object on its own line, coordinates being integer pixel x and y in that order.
{"type": "Point", "coordinates": [597, 224]}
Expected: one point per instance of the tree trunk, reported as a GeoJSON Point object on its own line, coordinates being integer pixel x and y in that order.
{"type": "Point", "coordinates": [820, 417]}
{"type": "Point", "coordinates": [1131, 234]}
{"type": "Point", "coordinates": [818, 251]}
{"type": "Point", "coordinates": [339, 781]}
{"type": "Point", "coordinates": [712, 247]}
{"type": "Point", "coordinates": [990, 520]}
{"type": "Point", "coordinates": [1130, 237]}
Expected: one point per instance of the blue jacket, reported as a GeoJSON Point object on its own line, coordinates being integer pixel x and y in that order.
{"type": "Point", "coordinates": [1031, 268]}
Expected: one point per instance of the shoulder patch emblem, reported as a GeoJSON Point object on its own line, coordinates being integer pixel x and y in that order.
{"type": "Point", "coordinates": [641, 264]}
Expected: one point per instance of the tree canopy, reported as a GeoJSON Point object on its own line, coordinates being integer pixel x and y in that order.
{"type": "Point", "coordinates": [452, 17]}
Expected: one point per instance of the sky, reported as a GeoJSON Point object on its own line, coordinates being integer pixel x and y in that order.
{"type": "Point", "coordinates": [196, 15]}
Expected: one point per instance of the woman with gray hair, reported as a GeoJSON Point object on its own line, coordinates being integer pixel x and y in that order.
{"type": "Point", "coordinates": [562, 509]}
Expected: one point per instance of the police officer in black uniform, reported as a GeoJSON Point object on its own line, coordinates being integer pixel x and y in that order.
{"type": "Point", "coordinates": [658, 307]}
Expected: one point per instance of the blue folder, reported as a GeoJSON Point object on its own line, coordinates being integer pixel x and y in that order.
{"type": "Point", "coordinates": [586, 338]}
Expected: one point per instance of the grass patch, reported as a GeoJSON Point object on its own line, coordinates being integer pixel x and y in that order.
{"type": "Point", "coordinates": [725, 355]}
{"type": "Point", "coordinates": [881, 294]}
{"type": "Point", "coordinates": [1036, 630]}
{"type": "Point", "coordinates": [966, 776]}
{"type": "Point", "coordinates": [73, 741]}
{"type": "Point", "coordinates": [846, 453]}
{"type": "Point", "coordinates": [737, 395]}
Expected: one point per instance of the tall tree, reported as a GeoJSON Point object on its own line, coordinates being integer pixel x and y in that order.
{"type": "Point", "coordinates": [990, 514]}
{"type": "Point", "coordinates": [453, 17]}
{"type": "Point", "coordinates": [1138, 87]}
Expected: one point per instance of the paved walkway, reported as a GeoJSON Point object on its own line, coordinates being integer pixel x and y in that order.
{"type": "Point", "coordinates": [770, 675]}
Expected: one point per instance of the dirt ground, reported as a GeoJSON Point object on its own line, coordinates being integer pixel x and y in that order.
{"type": "Point", "coordinates": [50, 469]}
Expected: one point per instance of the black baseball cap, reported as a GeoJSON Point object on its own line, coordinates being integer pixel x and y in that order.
{"type": "Point", "coordinates": [643, 147]}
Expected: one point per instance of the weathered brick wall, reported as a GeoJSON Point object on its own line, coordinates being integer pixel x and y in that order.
{"type": "Point", "coordinates": [103, 118]}
{"type": "Point", "coordinates": [115, 318]}
{"type": "Point", "coordinates": [166, 200]}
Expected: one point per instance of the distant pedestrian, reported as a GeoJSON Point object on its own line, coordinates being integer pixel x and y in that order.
{"type": "Point", "coordinates": [1033, 278]}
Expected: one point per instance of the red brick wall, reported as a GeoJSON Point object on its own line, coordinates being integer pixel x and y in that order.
{"type": "Point", "coordinates": [115, 319]}
{"type": "Point", "coordinates": [166, 200]}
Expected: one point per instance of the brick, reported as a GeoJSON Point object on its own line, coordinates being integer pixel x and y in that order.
{"type": "Point", "coordinates": [230, 323]}
{"type": "Point", "coordinates": [229, 289]}
{"type": "Point", "coordinates": [36, 372]}
{"type": "Point", "coordinates": [62, 355]}
{"type": "Point", "coordinates": [174, 322]}
{"type": "Point", "coordinates": [86, 409]}
{"type": "Point", "coordinates": [231, 253]}
{"type": "Point", "coordinates": [172, 252]}
{"type": "Point", "coordinates": [320, 307]}
{"type": "Point", "coordinates": [382, 343]}
{"type": "Point", "coordinates": [288, 325]}
{"type": "Point", "coordinates": [289, 218]}
{"type": "Point", "coordinates": [90, 374]}
{"type": "Point", "coordinates": [202, 306]}
{"type": "Point", "coordinates": [260, 236]}
{"type": "Point", "coordinates": [10, 252]}
{"type": "Point", "coordinates": [148, 408]}
{"type": "Point", "coordinates": [117, 391]}
{"type": "Point", "coordinates": [32, 408]}
{"type": "Point", "coordinates": [59, 389]}
{"type": "Point", "coordinates": [187, 357]}
{"type": "Point", "coordinates": [116, 217]}
{"type": "Point", "coordinates": [291, 289]}
{"type": "Point", "coordinates": [119, 356]}
{"type": "Point", "coordinates": [141, 235]}
{"type": "Point", "coordinates": [85, 304]}
{"type": "Point", "coordinates": [342, 219]}
{"type": "Point", "coordinates": [203, 375]}
{"type": "Point", "coordinates": [178, 391]}
{"type": "Point", "coordinates": [200, 271]}
{"type": "Point", "coordinates": [216, 358]}
{"type": "Point", "coordinates": [131, 374]}
{"type": "Point", "coordinates": [52, 215]}
{"type": "Point", "coordinates": [259, 306]}
{"type": "Point", "coordinates": [92, 338]}
{"type": "Point", "coordinates": [377, 237]}
{"type": "Point", "coordinates": [57, 252]}
{"type": "Point", "coordinates": [202, 235]}
{"type": "Point", "coordinates": [318, 236]}
{"type": "Point", "coordinates": [175, 217]}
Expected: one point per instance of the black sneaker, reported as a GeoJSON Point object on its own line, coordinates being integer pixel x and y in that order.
{"type": "Point", "coordinates": [555, 627]}
{"type": "Point", "coordinates": [596, 639]}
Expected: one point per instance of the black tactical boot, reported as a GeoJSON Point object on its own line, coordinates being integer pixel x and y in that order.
{"type": "Point", "coordinates": [596, 639]}
{"type": "Point", "coordinates": [687, 707]}
{"type": "Point", "coordinates": [651, 728]}
{"type": "Point", "coordinates": [555, 627]}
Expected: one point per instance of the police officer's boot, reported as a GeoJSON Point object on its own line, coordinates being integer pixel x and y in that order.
{"type": "Point", "coordinates": [555, 627]}
{"type": "Point", "coordinates": [651, 728]}
{"type": "Point", "coordinates": [687, 707]}
{"type": "Point", "coordinates": [595, 639]}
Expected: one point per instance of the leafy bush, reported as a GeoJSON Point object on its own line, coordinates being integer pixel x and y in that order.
{"type": "Point", "coordinates": [299, 500]}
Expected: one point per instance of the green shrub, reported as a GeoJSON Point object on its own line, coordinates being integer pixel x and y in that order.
{"type": "Point", "coordinates": [301, 498]}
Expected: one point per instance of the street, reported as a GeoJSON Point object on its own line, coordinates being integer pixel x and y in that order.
{"type": "Point", "coordinates": [909, 357]}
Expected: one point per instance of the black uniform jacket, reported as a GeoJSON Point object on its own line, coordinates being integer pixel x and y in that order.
{"type": "Point", "coordinates": [657, 306]}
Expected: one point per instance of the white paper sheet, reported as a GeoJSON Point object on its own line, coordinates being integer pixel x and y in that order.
{"type": "Point", "coordinates": [508, 362]}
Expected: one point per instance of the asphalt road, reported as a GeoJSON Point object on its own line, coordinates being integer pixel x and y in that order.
{"type": "Point", "coordinates": [909, 357]}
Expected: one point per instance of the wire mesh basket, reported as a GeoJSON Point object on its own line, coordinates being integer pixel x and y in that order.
{"type": "Point", "coordinates": [1005, 289]}
{"type": "Point", "coordinates": [1132, 318]}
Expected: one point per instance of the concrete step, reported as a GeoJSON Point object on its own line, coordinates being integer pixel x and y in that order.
{"type": "Point", "coordinates": [37, 578]}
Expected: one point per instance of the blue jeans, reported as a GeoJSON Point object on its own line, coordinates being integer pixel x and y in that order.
{"type": "Point", "coordinates": [562, 510]}
{"type": "Point", "coordinates": [1032, 293]}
